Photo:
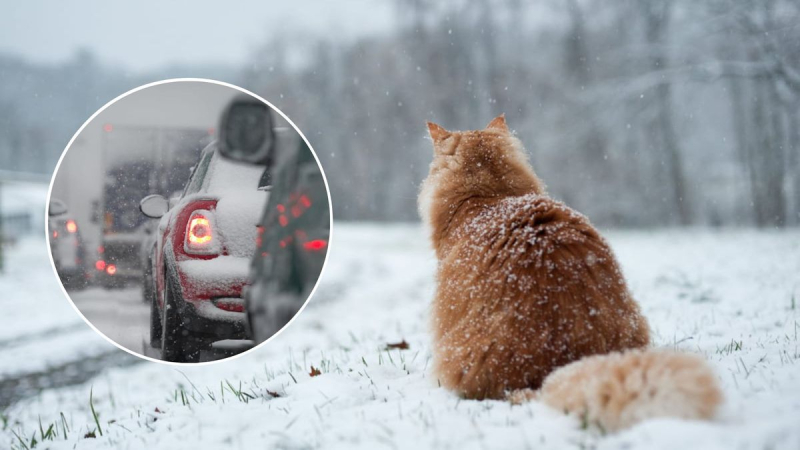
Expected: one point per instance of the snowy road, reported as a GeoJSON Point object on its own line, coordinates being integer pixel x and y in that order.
{"type": "Point", "coordinates": [123, 316]}
{"type": "Point", "coordinates": [120, 314]}
{"type": "Point", "coordinates": [730, 295]}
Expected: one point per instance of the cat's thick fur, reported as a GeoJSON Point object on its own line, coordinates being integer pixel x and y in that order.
{"type": "Point", "coordinates": [526, 285]}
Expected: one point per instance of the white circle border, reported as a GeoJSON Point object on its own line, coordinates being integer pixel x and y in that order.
{"type": "Point", "coordinates": [133, 91]}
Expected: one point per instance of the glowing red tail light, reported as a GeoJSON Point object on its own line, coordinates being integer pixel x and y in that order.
{"type": "Point", "coordinates": [316, 245]}
{"type": "Point", "coordinates": [72, 227]}
{"type": "Point", "coordinates": [111, 269]}
{"type": "Point", "coordinates": [100, 265]}
{"type": "Point", "coordinates": [199, 231]}
{"type": "Point", "coordinates": [200, 237]}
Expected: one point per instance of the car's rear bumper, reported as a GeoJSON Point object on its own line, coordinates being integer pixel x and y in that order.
{"type": "Point", "coordinates": [205, 284]}
{"type": "Point", "coordinates": [195, 317]}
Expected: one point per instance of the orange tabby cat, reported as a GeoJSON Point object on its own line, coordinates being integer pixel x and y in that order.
{"type": "Point", "coordinates": [527, 285]}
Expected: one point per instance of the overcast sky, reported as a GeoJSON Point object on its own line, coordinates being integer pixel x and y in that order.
{"type": "Point", "coordinates": [148, 34]}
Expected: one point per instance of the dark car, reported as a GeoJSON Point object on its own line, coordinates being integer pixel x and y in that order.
{"type": "Point", "coordinates": [292, 246]}
{"type": "Point", "coordinates": [204, 245]}
{"type": "Point", "coordinates": [295, 227]}
{"type": "Point", "coordinates": [118, 264]}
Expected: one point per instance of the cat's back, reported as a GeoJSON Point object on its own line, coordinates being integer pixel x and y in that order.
{"type": "Point", "coordinates": [524, 230]}
{"type": "Point", "coordinates": [530, 243]}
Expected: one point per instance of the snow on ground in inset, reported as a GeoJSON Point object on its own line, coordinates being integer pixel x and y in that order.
{"type": "Point", "coordinates": [120, 314]}
{"type": "Point", "coordinates": [727, 295]}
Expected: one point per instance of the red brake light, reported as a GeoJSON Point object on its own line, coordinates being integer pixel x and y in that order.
{"type": "Point", "coordinates": [100, 265]}
{"type": "Point", "coordinates": [200, 239]}
{"type": "Point", "coordinates": [259, 236]}
{"type": "Point", "coordinates": [72, 226]}
{"type": "Point", "coordinates": [316, 245]}
{"type": "Point", "coordinates": [229, 306]}
{"type": "Point", "coordinates": [111, 269]}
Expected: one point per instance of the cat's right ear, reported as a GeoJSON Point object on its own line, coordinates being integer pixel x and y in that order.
{"type": "Point", "coordinates": [438, 134]}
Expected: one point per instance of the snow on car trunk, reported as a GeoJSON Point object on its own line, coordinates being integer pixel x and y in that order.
{"type": "Point", "coordinates": [240, 203]}
{"type": "Point", "coordinates": [209, 273]}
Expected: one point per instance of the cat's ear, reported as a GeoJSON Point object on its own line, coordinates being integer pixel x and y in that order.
{"type": "Point", "coordinates": [498, 123]}
{"type": "Point", "coordinates": [437, 132]}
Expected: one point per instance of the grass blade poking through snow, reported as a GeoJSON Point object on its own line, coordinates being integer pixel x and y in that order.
{"type": "Point", "coordinates": [94, 413]}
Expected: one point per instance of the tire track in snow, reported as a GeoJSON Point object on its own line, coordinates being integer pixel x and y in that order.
{"type": "Point", "coordinates": [74, 372]}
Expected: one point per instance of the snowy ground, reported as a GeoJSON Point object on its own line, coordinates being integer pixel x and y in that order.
{"type": "Point", "coordinates": [730, 295]}
{"type": "Point", "coordinates": [43, 342]}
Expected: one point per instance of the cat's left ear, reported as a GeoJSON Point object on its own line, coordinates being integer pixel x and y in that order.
{"type": "Point", "coordinates": [437, 132]}
{"type": "Point", "coordinates": [498, 123]}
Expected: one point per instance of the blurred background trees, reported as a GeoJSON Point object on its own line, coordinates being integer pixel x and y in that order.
{"type": "Point", "coordinates": [639, 114]}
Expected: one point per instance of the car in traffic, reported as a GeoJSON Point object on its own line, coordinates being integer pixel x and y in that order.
{"type": "Point", "coordinates": [294, 230]}
{"type": "Point", "coordinates": [66, 247]}
{"type": "Point", "coordinates": [204, 245]}
{"type": "Point", "coordinates": [118, 263]}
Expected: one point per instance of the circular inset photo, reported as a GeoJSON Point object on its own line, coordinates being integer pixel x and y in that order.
{"type": "Point", "coordinates": [188, 221]}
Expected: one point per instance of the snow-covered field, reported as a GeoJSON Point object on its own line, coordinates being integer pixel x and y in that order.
{"type": "Point", "coordinates": [730, 295]}
{"type": "Point", "coordinates": [39, 329]}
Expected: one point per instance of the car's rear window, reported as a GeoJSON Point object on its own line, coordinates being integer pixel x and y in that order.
{"type": "Point", "coordinates": [115, 252]}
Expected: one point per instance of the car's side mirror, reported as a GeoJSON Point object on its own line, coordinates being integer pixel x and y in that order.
{"type": "Point", "coordinates": [56, 207]}
{"type": "Point", "coordinates": [154, 206]}
{"type": "Point", "coordinates": [246, 131]}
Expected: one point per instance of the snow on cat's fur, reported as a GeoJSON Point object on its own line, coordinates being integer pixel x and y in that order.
{"type": "Point", "coordinates": [526, 285]}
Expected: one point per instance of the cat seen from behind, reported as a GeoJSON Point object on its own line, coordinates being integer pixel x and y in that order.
{"type": "Point", "coordinates": [526, 285]}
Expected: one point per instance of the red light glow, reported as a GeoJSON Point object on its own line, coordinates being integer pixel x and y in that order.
{"type": "Point", "coordinates": [72, 227]}
{"type": "Point", "coordinates": [283, 220]}
{"type": "Point", "coordinates": [305, 201]}
{"type": "Point", "coordinates": [111, 269]}
{"type": "Point", "coordinates": [108, 128]}
{"type": "Point", "coordinates": [316, 245]}
{"type": "Point", "coordinates": [100, 265]}
{"type": "Point", "coordinates": [55, 234]}
{"type": "Point", "coordinates": [259, 236]}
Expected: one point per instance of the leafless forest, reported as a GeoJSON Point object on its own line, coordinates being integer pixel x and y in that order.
{"type": "Point", "coordinates": [639, 114]}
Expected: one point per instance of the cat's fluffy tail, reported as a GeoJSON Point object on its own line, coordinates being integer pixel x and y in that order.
{"type": "Point", "coordinates": [617, 390]}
